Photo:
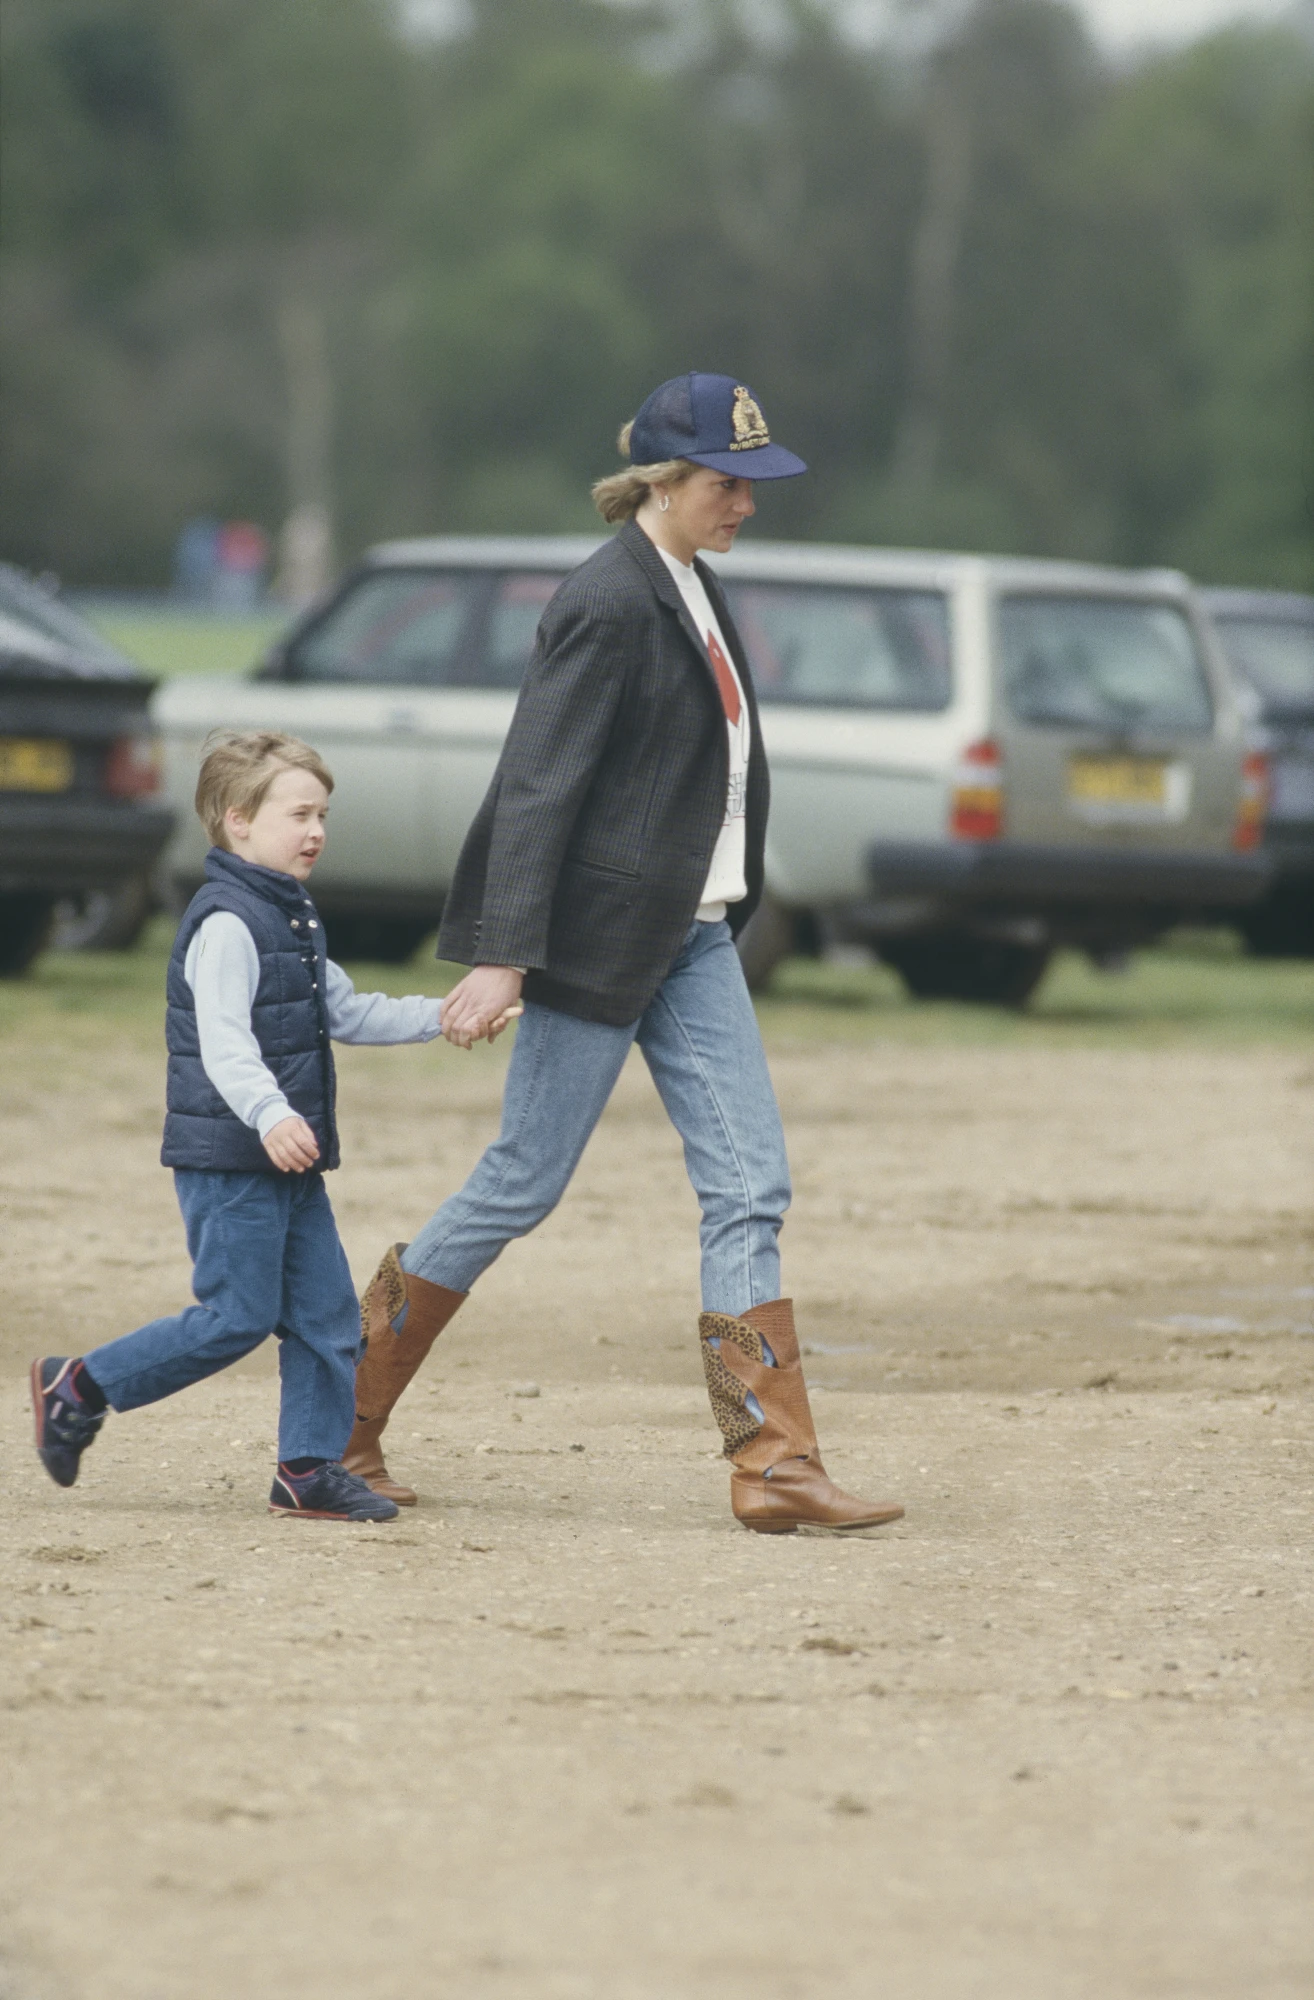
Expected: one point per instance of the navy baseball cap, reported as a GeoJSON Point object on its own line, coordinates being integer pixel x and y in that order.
{"type": "Point", "coordinates": [713, 420]}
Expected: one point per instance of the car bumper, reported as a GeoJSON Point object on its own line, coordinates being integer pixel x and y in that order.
{"type": "Point", "coordinates": [970, 875]}
{"type": "Point", "coordinates": [62, 846]}
{"type": "Point", "coordinates": [1289, 848]}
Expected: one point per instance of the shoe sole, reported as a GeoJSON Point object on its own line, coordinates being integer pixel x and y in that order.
{"type": "Point", "coordinates": [323, 1514]}
{"type": "Point", "coordinates": [851, 1529]}
{"type": "Point", "coordinates": [39, 1419]}
{"type": "Point", "coordinates": [38, 1401]}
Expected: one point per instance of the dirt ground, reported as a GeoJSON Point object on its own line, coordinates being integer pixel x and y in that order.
{"type": "Point", "coordinates": [566, 1732]}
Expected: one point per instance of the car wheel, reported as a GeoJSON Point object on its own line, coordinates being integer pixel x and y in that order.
{"type": "Point", "coordinates": [24, 927]}
{"type": "Point", "coordinates": [1282, 926]}
{"type": "Point", "coordinates": [966, 968]}
{"type": "Point", "coordinates": [103, 919]}
{"type": "Point", "coordinates": [766, 939]}
{"type": "Point", "coordinates": [385, 940]}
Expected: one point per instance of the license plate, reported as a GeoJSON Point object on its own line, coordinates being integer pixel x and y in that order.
{"type": "Point", "coordinates": [34, 764]}
{"type": "Point", "coordinates": [1118, 781]}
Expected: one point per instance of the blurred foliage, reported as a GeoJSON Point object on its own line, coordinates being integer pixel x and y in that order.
{"type": "Point", "coordinates": [1005, 295]}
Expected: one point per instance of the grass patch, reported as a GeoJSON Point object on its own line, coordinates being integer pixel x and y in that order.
{"type": "Point", "coordinates": [1197, 988]}
{"type": "Point", "coordinates": [172, 642]}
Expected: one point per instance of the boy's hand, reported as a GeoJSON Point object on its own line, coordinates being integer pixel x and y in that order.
{"type": "Point", "coordinates": [504, 1021]}
{"type": "Point", "coordinates": [291, 1145]}
{"type": "Point", "coordinates": [481, 1004]}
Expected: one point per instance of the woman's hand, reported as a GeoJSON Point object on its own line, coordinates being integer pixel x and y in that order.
{"type": "Point", "coordinates": [291, 1145]}
{"type": "Point", "coordinates": [482, 1004]}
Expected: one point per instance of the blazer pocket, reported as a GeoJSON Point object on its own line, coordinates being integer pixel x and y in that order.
{"type": "Point", "coordinates": [603, 868]}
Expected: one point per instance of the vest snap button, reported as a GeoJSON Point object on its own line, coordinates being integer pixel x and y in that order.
{"type": "Point", "coordinates": [296, 923]}
{"type": "Point", "coordinates": [313, 925]}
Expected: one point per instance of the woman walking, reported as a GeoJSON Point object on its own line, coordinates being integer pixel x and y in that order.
{"type": "Point", "coordinates": [612, 864]}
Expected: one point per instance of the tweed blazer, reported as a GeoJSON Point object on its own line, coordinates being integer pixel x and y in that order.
{"type": "Point", "coordinates": [587, 859]}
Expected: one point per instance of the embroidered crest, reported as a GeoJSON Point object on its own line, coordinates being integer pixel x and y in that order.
{"type": "Point", "coordinates": [747, 423]}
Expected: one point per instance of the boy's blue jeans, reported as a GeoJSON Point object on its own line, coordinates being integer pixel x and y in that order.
{"type": "Point", "coordinates": [700, 1040]}
{"type": "Point", "coordinates": [267, 1260]}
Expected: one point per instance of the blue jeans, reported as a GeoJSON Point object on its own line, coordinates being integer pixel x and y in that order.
{"type": "Point", "coordinates": [700, 1040]}
{"type": "Point", "coordinates": [267, 1260]}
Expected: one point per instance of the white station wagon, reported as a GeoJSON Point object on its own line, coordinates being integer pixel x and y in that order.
{"type": "Point", "coordinates": [972, 759]}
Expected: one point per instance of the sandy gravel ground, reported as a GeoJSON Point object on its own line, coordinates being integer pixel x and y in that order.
{"type": "Point", "coordinates": [566, 1730]}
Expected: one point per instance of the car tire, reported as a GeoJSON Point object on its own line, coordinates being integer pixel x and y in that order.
{"type": "Point", "coordinates": [955, 967]}
{"type": "Point", "coordinates": [103, 919]}
{"type": "Point", "coordinates": [25, 921]}
{"type": "Point", "coordinates": [385, 940]}
{"type": "Point", "coordinates": [764, 942]}
{"type": "Point", "coordinates": [1282, 926]}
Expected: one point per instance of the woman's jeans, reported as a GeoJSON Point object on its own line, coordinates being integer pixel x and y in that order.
{"type": "Point", "coordinates": [700, 1040]}
{"type": "Point", "coordinates": [267, 1260]}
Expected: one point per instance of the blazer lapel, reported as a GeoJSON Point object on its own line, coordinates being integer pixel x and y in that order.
{"type": "Point", "coordinates": [648, 557]}
{"type": "Point", "coordinates": [712, 585]}
{"type": "Point", "coordinates": [716, 597]}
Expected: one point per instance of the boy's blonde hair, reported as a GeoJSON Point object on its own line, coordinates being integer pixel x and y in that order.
{"type": "Point", "coordinates": [237, 769]}
{"type": "Point", "coordinates": [619, 497]}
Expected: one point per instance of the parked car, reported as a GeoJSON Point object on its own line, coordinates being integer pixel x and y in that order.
{"type": "Point", "coordinates": [1268, 636]}
{"type": "Point", "coordinates": [82, 819]}
{"type": "Point", "coordinates": [971, 759]}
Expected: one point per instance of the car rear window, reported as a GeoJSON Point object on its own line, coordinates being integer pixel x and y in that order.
{"type": "Point", "coordinates": [1276, 656]}
{"type": "Point", "coordinates": [399, 627]}
{"type": "Point", "coordinates": [1102, 663]}
{"type": "Point", "coordinates": [518, 604]}
{"type": "Point", "coordinates": [845, 648]}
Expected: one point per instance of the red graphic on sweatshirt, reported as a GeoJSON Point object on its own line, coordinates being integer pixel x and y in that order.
{"type": "Point", "coordinates": [725, 679]}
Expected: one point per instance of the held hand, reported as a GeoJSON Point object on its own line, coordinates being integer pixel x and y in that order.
{"type": "Point", "coordinates": [291, 1145]}
{"type": "Point", "coordinates": [504, 1021]}
{"type": "Point", "coordinates": [481, 1004]}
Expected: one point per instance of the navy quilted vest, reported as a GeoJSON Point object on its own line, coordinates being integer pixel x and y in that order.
{"type": "Point", "coordinates": [289, 1018]}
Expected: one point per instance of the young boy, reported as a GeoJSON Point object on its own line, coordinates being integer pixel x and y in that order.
{"type": "Point", "coordinates": [253, 1000]}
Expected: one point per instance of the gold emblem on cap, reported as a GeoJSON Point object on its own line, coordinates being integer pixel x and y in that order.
{"type": "Point", "coordinates": [747, 423]}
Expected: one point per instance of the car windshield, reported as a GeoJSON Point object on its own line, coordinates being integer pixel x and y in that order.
{"type": "Point", "coordinates": [845, 648]}
{"type": "Point", "coordinates": [1276, 656]}
{"type": "Point", "coordinates": [29, 605]}
{"type": "Point", "coordinates": [1102, 663]}
{"type": "Point", "coordinates": [398, 627]}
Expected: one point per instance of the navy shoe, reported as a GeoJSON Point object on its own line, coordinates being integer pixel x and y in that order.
{"type": "Point", "coordinates": [64, 1424]}
{"type": "Point", "coordinates": [329, 1493]}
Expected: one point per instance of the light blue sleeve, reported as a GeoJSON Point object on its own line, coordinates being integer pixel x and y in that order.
{"type": "Point", "coordinates": [375, 1017]}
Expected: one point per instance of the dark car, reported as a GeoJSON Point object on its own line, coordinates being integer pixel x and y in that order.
{"type": "Point", "coordinates": [1268, 636]}
{"type": "Point", "coordinates": [81, 808]}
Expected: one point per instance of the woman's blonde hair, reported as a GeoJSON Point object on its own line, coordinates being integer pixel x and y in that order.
{"type": "Point", "coordinates": [620, 496]}
{"type": "Point", "coordinates": [239, 766]}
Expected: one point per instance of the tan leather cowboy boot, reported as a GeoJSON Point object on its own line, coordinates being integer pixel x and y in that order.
{"type": "Point", "coordinates": [779, 1484]}
{"type": "Point", "coordinates": [401, 1316]}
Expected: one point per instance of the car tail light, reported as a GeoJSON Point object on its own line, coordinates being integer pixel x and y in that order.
{"type": "Point", "coordinates": [1253, 802]}
{"type": "Point", "coordinates": [976, 805]}
{"type": "Point", "coordinates": [134, 767]}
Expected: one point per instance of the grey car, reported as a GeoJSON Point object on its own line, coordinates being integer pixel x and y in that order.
{"type": "Point", "coordinates": [1268, 636]}
{"type": "Point", "coordinates": [971, 759]}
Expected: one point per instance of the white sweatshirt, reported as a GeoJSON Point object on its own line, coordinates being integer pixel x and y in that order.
{"type": "Point", "coordinates": [222, 968]}
{"type": "Point", "coordinates": [725, 878]}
